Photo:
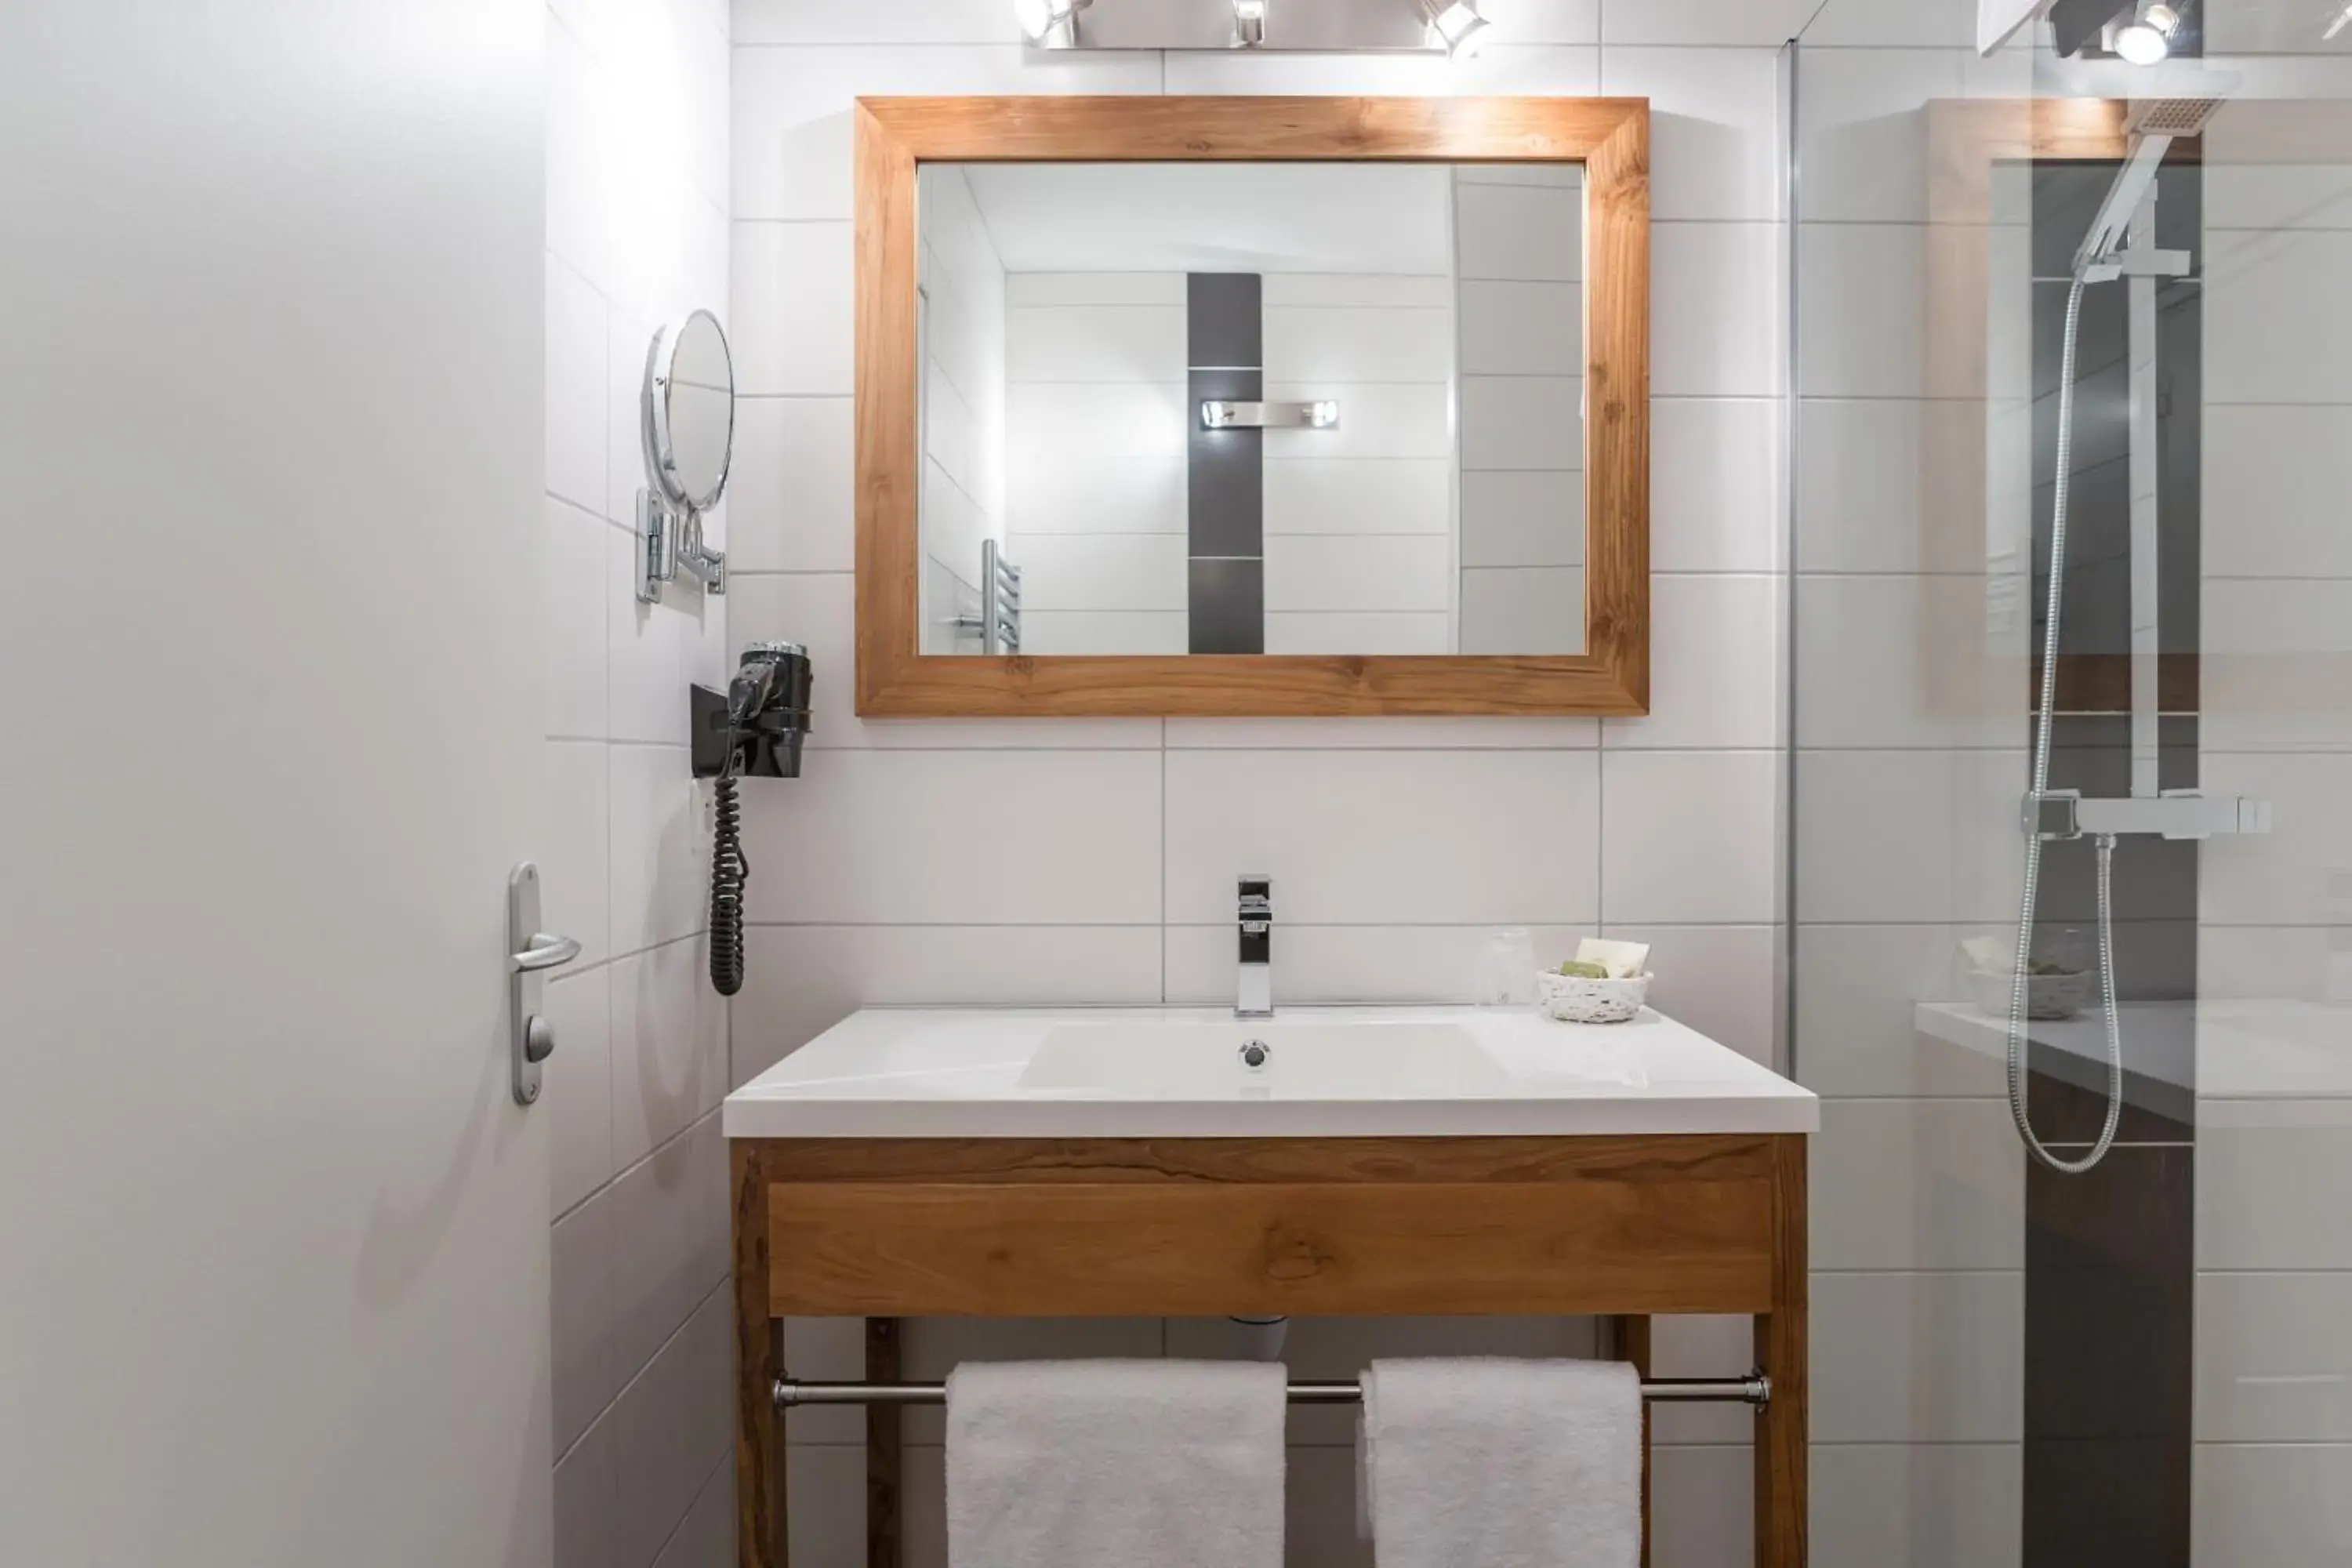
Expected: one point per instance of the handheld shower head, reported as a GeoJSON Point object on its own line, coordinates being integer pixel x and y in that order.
{"type": "Point", "coordinates": [2154, 124]}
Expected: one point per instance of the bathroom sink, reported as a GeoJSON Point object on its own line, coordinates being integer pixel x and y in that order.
{"type": "Point", "coordinates": [1178, 1072]}
{"type": "Point", "coordinates": [1292, 1060]}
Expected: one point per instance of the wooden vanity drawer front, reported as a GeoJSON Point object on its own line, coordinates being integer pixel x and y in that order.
{"type": "Point", "coordinates": [904, 1249]}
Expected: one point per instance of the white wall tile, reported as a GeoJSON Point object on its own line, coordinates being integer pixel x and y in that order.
{"type": "Point", "coordinates": [586, 1502]}
{"type": "Point", "coordinates": [1094, 342]}
{"type": "Point", "coordinates": [2269, 1183]}
{"type": "Point", "coordinates": [1858, 318]}
{"type": "Point", "coordinates": [2271, 1506]}
{"type": "Point", "coordinates": [1935, 675]}
{"type": "Point", "coordinates": [1096, 288]}
{"type": "Point", "coordinates": [1714, 679]}
{"type": "Point", "coordinates": [1364, 571]}
{"type": "Point", "coordinates": [1348, 963]}
{"type": "Point", "coordinates": [897, 836]}
{"type": "Point", "coordinates": [1522, 610]}
{"type": "Point", "coordinates": [1383, 734]}
{"type": "Point", "coordinates": [1753, 23]}
{"type": "Point", "coordinates": [1917, 1184]}
{"type": "Point", "coordinates": [1862, 132]}
{"type": "Point", "coordinates": [575, 388]}
{"type": "Point", "coordinates": [1500, 69]}
{"type": "Point", "coordinates": [1084, 492]}
{"type": "Point", "coordinates": [1857, 986]}
{"type": "Point", "coordinates": [1128, 420]}
{"type": "Point", "coordinates": [1918, 1358]}
{"type": "Point", "coordinates": [793, 144]}
{"type": "Point", "coordinates": [791, 503]}
{"type": "Point", "coordinates": [827, 1518]}
{"type": "Point", "coordinates": [574, 867]}
{"type": "Point", "coordinates": [661, 848]}
{"type": "Point", "coordinates": [1353, 291]}
{"type": "Point", "coordinates": [1452, 830]}
{"type": "Point", "coordinates": [669, 1045]}
{"type": "Point", "coordinates": [705, 1537]}
{"type": "Point", "coordinates": [1102, 572]}
{"type": "Point", "coordinates": [802, 980]}
{"type": "Point", "coordinates": [1721, 980]}
{"type": "Point", "coordinates": [1702, 1507]}
{"type": "Point", "coordinates": [2273, 1362]}
{"type": "Point", "coordinates": [583, 1344]}
{"type": "Point", "coordinates": [1522, 329]}
{"type": "Point", "coordinates": [1921, 23]}
{"type": "Point", "coordinates": [1315, 343]}
{"type": "Point", "coordinates": [1342, 494]}
{"type": "Point", "coordinates": [1715, 485]}
{"type": "Point", "coordinates": [579, 1088]}
{"type": "Point", "coordinates": [2272, 657]}
{"type": "Point", "coordinates": [2295, 874]}
{"type": "Point", "coordinates": [1714, 128]}
{"type": "Point", "coordinates": [1951, 853]}
{"type": "Point", "coordinates": [647, 651]}
{"type": "Point", "coordinates": [2264, 341]}
{"type": "Point", "coordinates": [1358, 632]}
{"type": "Point", "coordinates": [1689, 837]}
{"type": "Point", "coordinates": [669, 1241]}
{"type": "Point", "coordinates": [574, 576]}
{"type": "Point", "coordinates": [1865, 468]}
{"type": "Point", "coordinates": [1722, 336]}
{"type": "Point", "coordinates": [671, 1427]}
{"type": "Point", "coordinates": [1103, 631]}
{"type": "Point", "coordinates": [576, 98]}
{"type": "Point", "coordinates": [794, 307]}
{"type": "Point", "coordinates": [1924, 1505]}
{"type": "Point", "coordinates": [1525, 517]}
{"type": "Point", "coordinates": [1521, 422]}
{"type": "Point", "coordinates": [2269, 472]}
{"type": "Point", "coordinates": [1533, 233]}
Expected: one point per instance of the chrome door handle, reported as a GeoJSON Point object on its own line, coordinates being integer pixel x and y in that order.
{"type": "Point", "coordinates": [531, 953]}
{"type": "Point", "coordinates": [545, 950]}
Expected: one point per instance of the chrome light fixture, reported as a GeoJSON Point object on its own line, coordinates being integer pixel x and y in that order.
{"type": "Point", "coordinates": [1249, 23]}
{"type": "Point", "coordinates": [2146, 39]}
{"type": "Point", "coordinates": [1049, 22]}
{"type": "Point", "coordinates": [1454, 25]}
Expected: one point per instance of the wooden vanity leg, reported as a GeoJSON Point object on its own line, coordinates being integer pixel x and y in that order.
{"type": "Point", "coordinates": [1633, 1336]}
{"type": "Point", "coordinates": [1780, 1351]}
{"type": "Point", "coordinates": [883, 1454]}
{"type": "Point", "coordinates": [759, 1529]}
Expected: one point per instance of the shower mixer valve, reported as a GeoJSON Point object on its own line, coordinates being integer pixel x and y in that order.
{"type": "Point", "coordinates": [2060, 815]}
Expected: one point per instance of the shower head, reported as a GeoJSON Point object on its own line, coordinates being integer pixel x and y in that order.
{"type": "Point", "coordinates": [2153, 124]}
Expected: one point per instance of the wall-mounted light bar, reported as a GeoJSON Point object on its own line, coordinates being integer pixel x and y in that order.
{"type": "Point", "coordinates": [1326, 27]}
{"type": "Point", "coordinates": [1219, 415]}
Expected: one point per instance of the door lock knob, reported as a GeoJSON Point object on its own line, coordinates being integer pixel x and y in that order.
{"type": "Point", "coordinates": [538, 1039]}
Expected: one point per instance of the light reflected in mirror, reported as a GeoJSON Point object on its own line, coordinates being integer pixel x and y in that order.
{"type": "Point", "coordinates": [1243, 408]}
{"type": "Point", "coordinates": [690, 411]}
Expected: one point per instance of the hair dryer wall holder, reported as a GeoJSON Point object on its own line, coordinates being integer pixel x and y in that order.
{"type": "Point", "coordinates": [768, 747]}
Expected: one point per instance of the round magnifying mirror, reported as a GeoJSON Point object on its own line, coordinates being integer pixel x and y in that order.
{"type": "Point", "coordinates": [690, 411]}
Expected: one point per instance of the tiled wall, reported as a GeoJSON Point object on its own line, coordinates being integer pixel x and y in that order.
{"type": "Point", "coordinates": [1094, 861]}
{"type": "Point", "coordinates": [636, 236]}
{"type": "Point", "coordinates": [1095, 506]}
{"type": "Point", "coordinates": [1360, 520]}
{"type": "Point", "coordinates": [1518, 248]}
{"type": "Point", "coordinates": [2274, 1421]}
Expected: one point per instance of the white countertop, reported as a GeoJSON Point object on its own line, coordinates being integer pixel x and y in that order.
{"type": "Point", "coordinates": [927, 1072]}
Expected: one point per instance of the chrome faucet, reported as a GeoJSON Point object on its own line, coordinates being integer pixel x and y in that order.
{"type": "Point", "coordinates": [1257, 916]}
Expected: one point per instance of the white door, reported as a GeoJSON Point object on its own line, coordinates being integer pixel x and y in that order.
{"type": "Point", "coordinates": [273, 1230]}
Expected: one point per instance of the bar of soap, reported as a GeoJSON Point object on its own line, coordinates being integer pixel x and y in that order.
{"type": "Point", "coordinates": [1576, 969]}
{"type": "Point", "coordinates": [1622, 959]}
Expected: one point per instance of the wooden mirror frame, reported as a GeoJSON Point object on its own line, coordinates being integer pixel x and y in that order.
{"type": "Point", "coordinates": [1610, 137]}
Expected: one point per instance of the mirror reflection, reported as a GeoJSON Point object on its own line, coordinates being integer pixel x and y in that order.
{"type": "Point", "coordinates": [1244, 408]}
{"type": "Point", "coordinates": [691, 393]}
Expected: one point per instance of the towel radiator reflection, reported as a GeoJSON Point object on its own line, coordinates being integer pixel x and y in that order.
{"type": "Point", "coordinates": [998, 621]}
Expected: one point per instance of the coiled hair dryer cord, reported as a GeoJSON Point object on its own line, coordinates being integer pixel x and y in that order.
{"type": "Point", "coordinates": [729, 869]}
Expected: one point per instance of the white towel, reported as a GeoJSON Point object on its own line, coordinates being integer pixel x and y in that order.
{"type": "Point", "coordinates": [1114, 1464]}
{"type": "Point", "coordinates": [1486, 1462]}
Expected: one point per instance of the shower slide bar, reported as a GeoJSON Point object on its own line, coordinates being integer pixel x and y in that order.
{"type": "Point", "coordinates": [1755, 1389]}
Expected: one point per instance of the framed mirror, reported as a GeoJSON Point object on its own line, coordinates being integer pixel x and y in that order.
{"type": "Point", "coordinates": [1177, 406]}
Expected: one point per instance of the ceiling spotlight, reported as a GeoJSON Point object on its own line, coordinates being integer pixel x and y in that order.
{"type": "Point", "coordinates": [1049, 23]}
{"type": "Point", "coordinates": [1249, 23]}
{"type": "Point", "coordinates": [1455, 25]}
{"type": "Point", "coordinates": [2146, 39]}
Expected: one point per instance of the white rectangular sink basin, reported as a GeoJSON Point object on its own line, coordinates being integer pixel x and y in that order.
{"type": "Point", "coordinates": [1330, 1072]}
{"type": "Point", "coordinates": [1294, 1060]}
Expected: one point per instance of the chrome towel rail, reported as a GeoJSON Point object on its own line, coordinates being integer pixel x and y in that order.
{"type": "Point", "coordinates": [1755, 1389]}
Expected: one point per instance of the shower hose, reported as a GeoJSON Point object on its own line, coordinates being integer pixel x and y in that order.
{"type": "Point", "coordinates": [2019, 977]}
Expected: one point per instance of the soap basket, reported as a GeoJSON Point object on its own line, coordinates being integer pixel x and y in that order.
{"type": "Point", "coordinates": [1574, 999]}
